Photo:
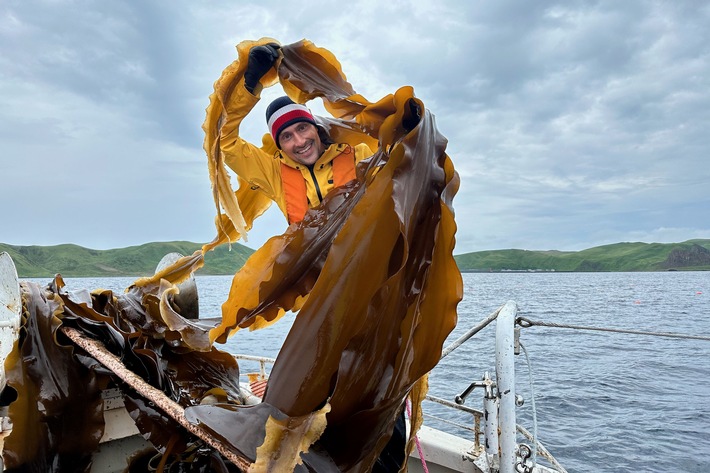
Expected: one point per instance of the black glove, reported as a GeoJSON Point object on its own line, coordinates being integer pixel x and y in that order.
{"type": "Point", "coordinates": [412, 119]}
{"type": "Point", "coordinates": [261, 58]}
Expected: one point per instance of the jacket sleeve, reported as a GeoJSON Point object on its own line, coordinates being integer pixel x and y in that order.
{"type": "Point", "coordinates": [250, 162]}
{"type": "Point", "coordinates": [362, 151]}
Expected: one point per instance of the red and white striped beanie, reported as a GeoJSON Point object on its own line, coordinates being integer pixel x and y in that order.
{"type": "Point", "coordinates": [284, 112]}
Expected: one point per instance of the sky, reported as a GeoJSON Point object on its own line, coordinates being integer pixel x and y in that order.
{"type": "Point", "coordinates": [572, 124]}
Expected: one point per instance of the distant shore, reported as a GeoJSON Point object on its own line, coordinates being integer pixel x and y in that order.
{"type": "Point", "coordinates": [76, 261]}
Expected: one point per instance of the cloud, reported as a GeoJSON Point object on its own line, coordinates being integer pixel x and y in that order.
{"type": "Point", "coordinates": [572, 124]}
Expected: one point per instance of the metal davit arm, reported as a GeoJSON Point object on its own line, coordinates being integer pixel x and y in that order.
{"type": "Point", "coordinates": [505, 378]}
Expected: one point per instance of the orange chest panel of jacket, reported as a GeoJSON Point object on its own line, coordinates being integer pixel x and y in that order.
{"type": "Point", "coordinates": [294, 184]}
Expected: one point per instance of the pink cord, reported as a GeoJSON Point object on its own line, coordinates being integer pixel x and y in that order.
{"type": "Point", "coordinates": [416, 437]}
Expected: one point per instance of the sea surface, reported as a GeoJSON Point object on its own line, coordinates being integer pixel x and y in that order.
{"type": "Point", "coordinates": [604, 402]}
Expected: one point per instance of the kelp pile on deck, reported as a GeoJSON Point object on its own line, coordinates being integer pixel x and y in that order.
{"type": "Point", "coordinates": [58, 416]}
{"type": "Point", "coordinates": [371, 272]}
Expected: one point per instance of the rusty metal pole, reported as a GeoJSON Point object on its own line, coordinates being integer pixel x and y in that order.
{"type": "Point", "coordinates": [167, 405]}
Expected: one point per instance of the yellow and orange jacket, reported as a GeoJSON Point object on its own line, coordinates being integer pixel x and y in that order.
{"type": "Point", "coordinates": [276, 175]}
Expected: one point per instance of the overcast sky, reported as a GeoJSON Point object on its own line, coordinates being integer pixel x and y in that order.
{"type": "Point", "coordinates": [572, 124]}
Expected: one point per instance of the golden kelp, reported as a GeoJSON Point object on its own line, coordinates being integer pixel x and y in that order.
{"type": "Point", "coordinates": [58, 416]}
{"type": "Point", "coordinates": [374, 261]}
{"type": "Point", "coordinates": [371, 271]}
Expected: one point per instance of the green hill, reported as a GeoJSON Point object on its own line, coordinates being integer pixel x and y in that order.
{"type": "Point", "coordinates": [77, 261]}
{"type": "Point", "coordinates": [688, 255]}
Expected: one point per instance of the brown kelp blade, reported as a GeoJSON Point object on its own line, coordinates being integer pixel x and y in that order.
{"type": "Point", "coordinates": [382, 287]}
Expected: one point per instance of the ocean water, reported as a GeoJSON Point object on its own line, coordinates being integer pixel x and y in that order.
{"type": "Point", "coordinates": [605, 402]}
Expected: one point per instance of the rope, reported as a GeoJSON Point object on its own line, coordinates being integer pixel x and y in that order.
{"type": "Point", "coordinates": [446, 421]}
{"type": "Point", "coordinates": [534, 438]}
{"type": "Point", "coordinates": [525, 323]}
{"type": "Point", "coordinates": [416, 437]}
{"type": "Point", "coordinates": [532, 402]}
{"type": "Point", "coordinates": [471, 332]}
{"type": "Point", "coordinates": [543, 451]}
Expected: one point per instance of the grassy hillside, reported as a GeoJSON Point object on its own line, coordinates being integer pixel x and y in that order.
{"type": "Point", "coordinates": [77, 261]}
{"type": "Point", "coordinates": [689, 255]}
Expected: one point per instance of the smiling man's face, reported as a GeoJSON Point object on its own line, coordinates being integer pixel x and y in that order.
{"type": "Point", "coordinates": [301, 143]}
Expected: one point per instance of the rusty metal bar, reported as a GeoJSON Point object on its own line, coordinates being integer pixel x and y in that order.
{"type": "Point", "coordinates": [167, 405]}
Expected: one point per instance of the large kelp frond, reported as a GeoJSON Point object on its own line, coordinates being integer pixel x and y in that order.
{"type": "Point", "coordinates": [375, 264]}
{"type": "Point", "coordinates": [57, 418]}
{"type": "Point", "coordinates": [62, 435]}
{"type": "Point", "coordinates": [224, 197]}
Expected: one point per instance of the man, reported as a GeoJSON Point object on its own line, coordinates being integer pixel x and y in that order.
{"type": "Point", "coordinates": [305, 168]}
{"type": "Point", "coordinates": [307, 164]}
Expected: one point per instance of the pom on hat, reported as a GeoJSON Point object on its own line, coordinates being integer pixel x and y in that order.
{"type": "Point", "coordinates": [284, 112]}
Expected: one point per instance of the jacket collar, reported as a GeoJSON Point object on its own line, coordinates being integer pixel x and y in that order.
{"type": "Point", "coordinates": [330, 153]}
